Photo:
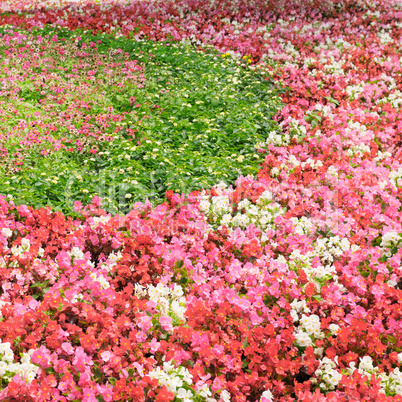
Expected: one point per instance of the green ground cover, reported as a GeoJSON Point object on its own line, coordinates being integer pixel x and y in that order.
{"type": "Point", "coordinates": [91, 121]}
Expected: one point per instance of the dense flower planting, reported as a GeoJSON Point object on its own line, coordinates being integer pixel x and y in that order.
{"type": "Point", "coordinates": [285, 286]}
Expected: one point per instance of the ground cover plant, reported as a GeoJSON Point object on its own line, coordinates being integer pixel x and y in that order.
{"type": "Point", "coordinates": [285, 286]}
{"type": "Point", "coordinates": [124, 120]}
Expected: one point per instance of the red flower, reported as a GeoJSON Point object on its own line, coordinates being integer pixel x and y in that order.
{"type": "Point", "coordinates": [164, 395]}
{"type": "Point", "coordinates": [310, 289]}
{"type": "Point", "coordinates": [13, 388]}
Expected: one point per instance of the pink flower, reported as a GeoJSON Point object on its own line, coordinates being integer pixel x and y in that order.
{"type": "Point", "coordinates": [81, 360]}
{"type": "Point", "coordinates": [200, 340]}
{"type": "Point", "coordinates": [41, 357]}
{"type": "Point", "coordinates": [107, 393]}
{"type": "Point", "coordinates": [85, 380]}
{"type": "Point", "coordinates": [67, 348]}
{"type": "Point", "coordinates": [33, 304]}
{"type": "Point", "coordinates": [23, 210]}
{"type": "Point", "coordinates": [19, 309]}
{"type": "Point", "coordinates": [63, 334]}
{"type": "Point", "coordinates": [274, 290]}
{"type": "Point", "coordinates": [377, 291]}
{"type": "Point", "coordinates": [255, 318]}
{"type": "Point", "coordinates": [145, 323]}
{"type": "Point", "coordinates": [78, 206]}
{"type": "Point", "coordinates": [140, 368]}
{"type": "Point", "coordinates": [141, 336]}
{"type": "Point", "coordinates": [106, 356]}
{"type": "Point", "coordinates": [217, 384]}
{"type": "Point", "coordinates": [88, 395]}
{"type": "Point", "coordinates": [166, 323]}
{"type": "Point", "coordinates": [154, 345]}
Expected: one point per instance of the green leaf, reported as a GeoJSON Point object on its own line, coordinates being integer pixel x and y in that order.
{"type": "Point", "coordinates": [97, 372]}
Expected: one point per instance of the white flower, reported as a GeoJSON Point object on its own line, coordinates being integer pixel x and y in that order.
{"type": "Point", "coordinates": [243, 204]}
{"type": "Point", "coordinates": [334, 329]}
{"type": "Point", "coordinates": [178, 310]}
{"type": "Point", "coordinates": [29, 376]}
{"type": "Point", "coordinates": [220, 204]}
{"type": "Point", "coordinates": [221, 185]}
{"type": "Point", "coordinates": [265, 196]}
{"type": "Point", "coordinates": [175, 382]}
{"type": "Point", "coordinates": [311, 324]}
{"type": "Point", "coordinates": [4, 346]}
{"type": "Point", "coordinates": [225, 396]}
{"type": "Point", "coordinates": [275, 171]}
{"type": "Point", "coordinates": [204, 206]}
{"type": "Point", "coordinates": [268, 395]}
{"type": "Point", "coordinates": [390, 238]}
{"type": "Point", "coordinates": [204, 391]}
{"type": "Point", "coordinates": [319, 352]}
{"type": "Point", "coordinates": [241, 220]}
{"type": "Point", "coordinates": [400, 358]}
{"type": "Point", "coordinates": [303, 339]}
{"type": "Point", "coordinates": [113, 258]}
{"type": "Point", "coordinates": [351, 368]}
{"type": "Point", "coordinates": [3, 368]}
{"type": "Point", "coordinates": [16, 251]}
{"type": "Point", "coordinates": [183, 394]}
{"type": "Point", "coordinates": [187, 377]}
{"type": "Point", "coordinates": [294, 315]}
{"type": "Point", "coordinates": [168, 367]}
{"type": "Point", "coordinates": [163, 303]}
{"type": "Point", "coordinates": [354, 248]}
{"type": "Point", "coordinates": [226, 218]}
{"type": "Point", "coordinates": [25, 358]}
{"type": "Point", "coordinates": [139, 290]}
{"type": "Point", "coordinates": [76, 253]}
{"type": "Point", "coordinates": [7, 232]}
{"type": "Point", "coordinates": [177, 291]}
{"type": "Point", "coordinates": [9, 355]}
{"type": "Point", "coordinates": [162, 289]}
{"type": "Point", "coordinates": [366, 363]}
{"type": "Point", "coordinates": [25, 244]}
{"type": "Point", "coordinates": [335, 378]}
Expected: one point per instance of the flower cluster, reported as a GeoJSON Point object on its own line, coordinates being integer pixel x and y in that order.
{"type": "Point", "coordinates": [222, 210]}
{"type": "Point", "coordinates": [176, 380]}
{"type": "Point", "coordinates": [9, 368]}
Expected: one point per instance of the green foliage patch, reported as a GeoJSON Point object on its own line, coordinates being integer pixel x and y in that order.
{"type": "Point", "coordinates": [193, 121]}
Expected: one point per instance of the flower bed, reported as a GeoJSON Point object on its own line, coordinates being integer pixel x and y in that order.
{"type": "Point", "coordinates": [284, 286]}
